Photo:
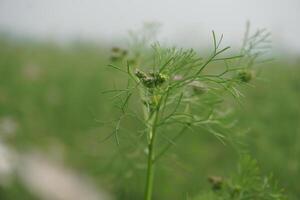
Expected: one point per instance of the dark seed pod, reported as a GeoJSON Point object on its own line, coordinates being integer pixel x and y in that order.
{"type": "Point", "coordinates": [115, 49]}
{"type": "Point", "coordinates": [124, 52]}
{"type": "Point", "coordinates": [114, 58]}
{"type": "Point", "coordinates": [149, 82]}
{"type": "Point", "coordinates": [140, 74]}
{"type": "Point", "coordinates": [216, 182]}
{"type": "Point", "coordinates": [159, 78]}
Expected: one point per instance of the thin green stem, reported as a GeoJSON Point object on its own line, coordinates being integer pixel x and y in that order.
{"type": "Point", "coordinates": [151, 156]}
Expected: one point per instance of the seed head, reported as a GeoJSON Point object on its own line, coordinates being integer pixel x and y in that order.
{"type": "Point", "coordinates": [115, 49]}
{"type": "Point", "coordinates": [151, 80]}
{"type": "Point", "coordinates": [216, 182]}
{"type": "Point", "coordinates": [118, 54]}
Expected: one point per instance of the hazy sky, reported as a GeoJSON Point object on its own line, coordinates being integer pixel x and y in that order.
{"type": "Point", "coordinates": [184, 21]}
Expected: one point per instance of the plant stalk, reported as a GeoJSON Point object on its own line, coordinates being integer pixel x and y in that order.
{"type": "Point", "coordinates": [151, 157]}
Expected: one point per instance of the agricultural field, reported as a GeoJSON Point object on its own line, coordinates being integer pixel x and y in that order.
{"type": "Point", "coordinates": [52, 107]}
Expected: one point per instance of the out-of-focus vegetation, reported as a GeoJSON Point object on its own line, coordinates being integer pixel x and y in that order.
{"type": "Point", "coordinates": [51, 100]}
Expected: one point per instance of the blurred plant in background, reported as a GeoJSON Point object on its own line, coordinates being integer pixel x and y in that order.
{"type": "Point", "coordinates": [247, 183]}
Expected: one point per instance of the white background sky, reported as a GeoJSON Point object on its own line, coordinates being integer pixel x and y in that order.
{"type": "Point", "coordinates": [184, 21]}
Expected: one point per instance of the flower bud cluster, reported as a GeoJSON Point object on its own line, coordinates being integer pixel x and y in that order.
{"type": "Point", "coordinates": [152, 79]}
{"type": "Point", "coordinates": [118, 54]}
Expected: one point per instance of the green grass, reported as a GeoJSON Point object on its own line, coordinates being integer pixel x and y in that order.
{"type": "Point", "coordinates": [54, 95]}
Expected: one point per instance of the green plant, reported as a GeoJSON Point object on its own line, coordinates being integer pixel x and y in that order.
{"type": "Point", "coordinates": [178, 89]}
{"type": "Point", "coordinates": [246, 183]}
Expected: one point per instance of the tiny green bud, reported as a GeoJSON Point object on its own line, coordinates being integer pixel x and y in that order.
{"type": "Point", "coordinates": [140, 74]}
{"type": "Point", "coordinates": [245, 75]}
{"type": "Point", "coordinates": [235, 190]}
{"type": "Point", "coordinates": [160, 79]}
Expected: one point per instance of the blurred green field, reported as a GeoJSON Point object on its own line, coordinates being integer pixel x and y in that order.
{"type": "Point", "coordinates": [53, 97]}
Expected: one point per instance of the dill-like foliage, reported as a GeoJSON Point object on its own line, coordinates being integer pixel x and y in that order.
{"type": "Point", "coordinates": [177, 87]}
{"type": "Point", "coordinates": [247, 183]}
